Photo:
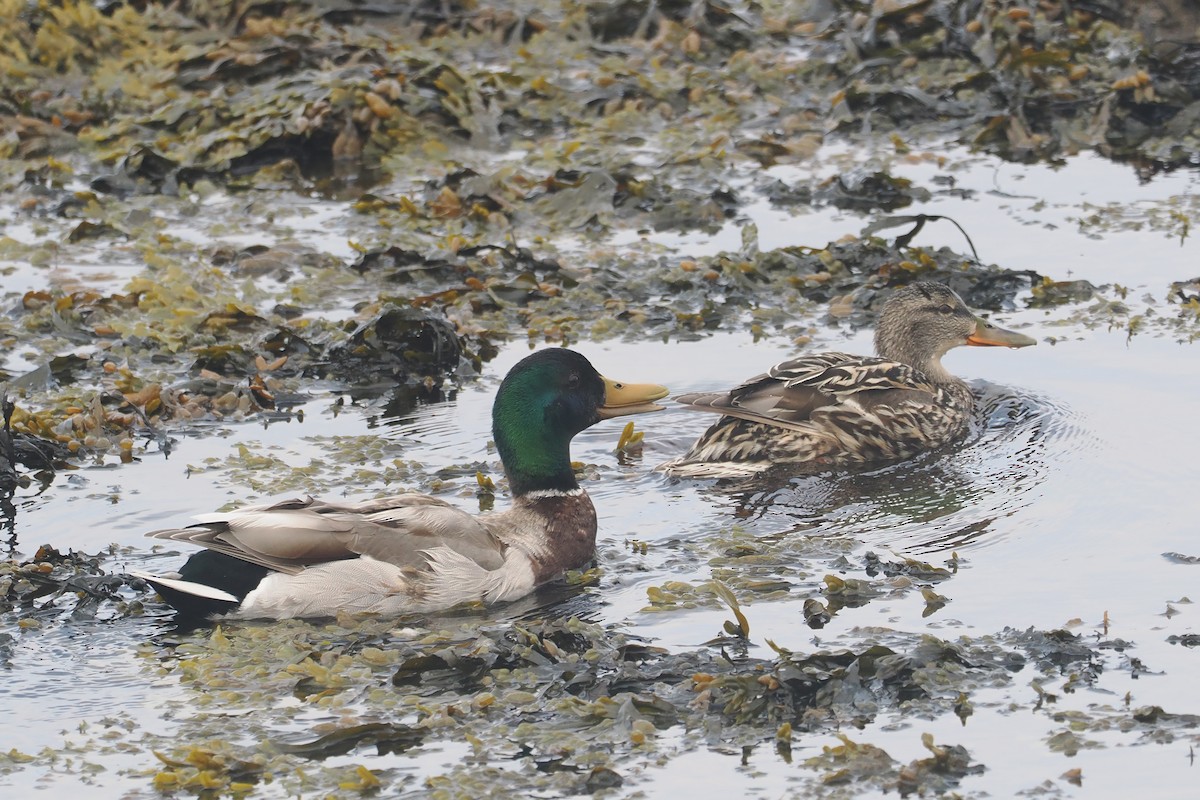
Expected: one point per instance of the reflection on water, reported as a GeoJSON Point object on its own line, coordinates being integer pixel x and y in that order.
{"type": "Point", "coordinates": [937, 501]}
{"type": "Point", "coordinates": [404, 404]}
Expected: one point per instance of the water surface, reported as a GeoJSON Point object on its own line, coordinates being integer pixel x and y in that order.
{"type": "Point", "coordinates": [1081, 473]}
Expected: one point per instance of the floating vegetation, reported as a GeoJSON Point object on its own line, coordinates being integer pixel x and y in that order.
{"type": "Point", "coordinates": [287, 704]}
{"type": "Point", "coordinates": [338, 706]}
{"type": "Point", "coordinates": [281, 202]}
{"type": "Point", "coordinates": [20, 451]}
{"type": "Point", "coordinates": [53, 585]}
{"type": "Point", "coordinates": [457, 242]}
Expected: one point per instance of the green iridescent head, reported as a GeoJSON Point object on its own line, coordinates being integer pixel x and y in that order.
{"type": "Point", "coordinates": [545, 400]}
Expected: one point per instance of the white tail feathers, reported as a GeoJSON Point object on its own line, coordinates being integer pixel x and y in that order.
{"type": "Point", "coordinates": [187, 587]}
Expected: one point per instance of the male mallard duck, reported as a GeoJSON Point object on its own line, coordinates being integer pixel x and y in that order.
{"type": "Point", "coordinates": [839, 410]}
{"type": "Point", "coordinates": [412, 552]}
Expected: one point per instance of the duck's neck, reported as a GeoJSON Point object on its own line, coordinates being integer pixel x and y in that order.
{"type": "Point", "coordinates": [536, 461]}
{"type": "Point", "coordinates": [933, 369]}
{"type": "Point", "coordinates": [955, 390]}
{"type": "Point", "coordinates": [928, 362]}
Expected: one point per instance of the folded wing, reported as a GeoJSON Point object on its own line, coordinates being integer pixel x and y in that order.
{"type": "Point", "coordinates": [294, 534]}
{"type": "Point", "coordinates": [791, 393]}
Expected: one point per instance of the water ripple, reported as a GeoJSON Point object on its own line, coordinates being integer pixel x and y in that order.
{"type": "Point", "coordinates": [939, 501]}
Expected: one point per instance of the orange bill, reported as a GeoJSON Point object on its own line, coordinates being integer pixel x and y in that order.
{"type": "Point", "coordinates": [988, 335]}
{"type": "Point", "coordinates": [621, 399]}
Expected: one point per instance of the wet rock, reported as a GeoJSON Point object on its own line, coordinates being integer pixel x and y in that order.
{"type": "Point", "coordinates": [404, 266]}
{"type": "Point", "coordinates": [1056, 650]}
{"type": "Point", "coordinates": [939, 773]}
{"type": "Point", "coordinates": [602, 778]}
{"type": "Point", "coordinates": [397, 345]}
{"type": "Point", "coordinates": [21, 450]}
{"type": "Point", "coordinates": [909, 567]}
{"type": "Point", "coordinates": [436, 671]}
{"type": "Point", "coordinates": [386, 737]}
{"type": "Point", "coordinates": [666, 207]}
{"type": "Point", "coordinates": [50, 575]}
{"type": "Point", "coordinates": [786, 194]}
{"type": "Point", "coordinates": [1056, 293]}
{"type": "Point", "coordinates": [864, 191]}
{"type": "Point", "coordinates": [279, 261]}
{"type": "Point", "coordinates": [145, 171]}
{"type": "Point", "coordinates": [816, 615]}
{"type": "Point", "coordinates": [231, 360]}
{"type": "Point", "coordinates": [1169, 27]}
{"type": "Point", "coordinates": [643, 19]}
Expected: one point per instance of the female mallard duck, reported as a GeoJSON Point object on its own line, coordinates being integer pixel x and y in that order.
{"type": "Point", "coordinates": [839, 410]}
{"type": "Point", "coordinates": [412, 552]}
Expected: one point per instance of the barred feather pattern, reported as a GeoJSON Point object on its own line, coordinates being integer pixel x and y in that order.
{"type": "Point", "coordinates": [825, 411]}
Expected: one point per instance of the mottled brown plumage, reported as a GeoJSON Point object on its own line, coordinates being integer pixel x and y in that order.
{"type": "Point", "coordinates": [840, 410]}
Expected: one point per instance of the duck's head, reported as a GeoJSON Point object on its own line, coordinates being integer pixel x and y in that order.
{"type": "Point", "coordinates": [923, 320]}
{"type": "Point", "coordinates": [545, 400]}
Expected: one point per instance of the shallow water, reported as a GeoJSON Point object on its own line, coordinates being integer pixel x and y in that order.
{"type": "Point", "coordinates": [1080, 475]}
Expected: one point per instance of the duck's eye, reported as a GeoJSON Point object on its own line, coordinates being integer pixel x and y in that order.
{"type": "Point", "coordinates": [945, 309]}
{"type": "Point", "coordinates": [573, 380]}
